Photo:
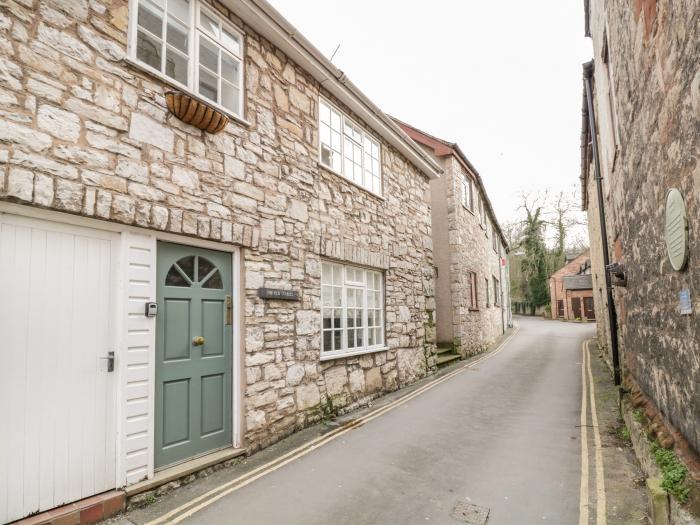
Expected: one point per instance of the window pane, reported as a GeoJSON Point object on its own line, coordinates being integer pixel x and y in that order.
{"type": "Point", "coordinates": [175, 278]}
{"type": "Point", "coordinates": [208, 55]}
{"type": "Point", "coordinates": [177, 35]}
{"type": "Point", "coordinates": [358, 317]}
{"type": "Point", "coordinates": [336, 318]}
{"type": "Point", "coordinates": [327, 340]}
{"type": "Point", "coordinates": [326, 155]}
{"type": "Point", "coordinates": [229, 68]}
{"type": "Point", "coordinates": [350, 299]}
{"type": "Point", "coordinates": [337, 345]}
{"type": "Point", "coordinates": [324, 113]}
{"type": "Point", "coordinates": [148, 50]}
{"type": "Point", "coordinates": [325, 134]}
{"type": "Point", "coordinates": [326, 296]}
{"type": "Point", "coordinates": [335, 120]}
{"type": "Point", "coordinates": [231, 41]}
{"type": "Point", "coordinates": [370, 337]}
{"type": "Point", "coordinates": [326, 273]}
{"type": "Point", "coordinates": [210, 25]}
{"type": "Point", "coordinates": [337, 299]}
{"type": "Point", "coordinates": [230, 97]}
{"type": "Point", "coordinates": [351, 338]}
{"type": "Point", "coordinates": [207, 85]}
{"type": "Point", "coordinates": [176, 66]}
{"type": "Point", "coordinates": [335, 140]}
{"type": "Point", "coordinates": [151, 18]}
{"type": "Point", "coordinates": [214, 282]}
{"type": "Point", "coordinates": [326, 318]}
{"type": "Point", "coordinates": [337, 274]}
{"type": "Point", "coordinates": [180, 8]}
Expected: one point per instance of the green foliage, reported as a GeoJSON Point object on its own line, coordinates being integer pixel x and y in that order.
{"type": "Point", "coordinates": [673, 472]}
{"type": "Point", "coordinates": [639, 416]}
{"type": "Point", "coordinates": [625, 433]}
{"type": "Point", "coordinates": [535, 264]}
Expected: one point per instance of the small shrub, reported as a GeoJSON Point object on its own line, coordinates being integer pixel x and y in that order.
{"type": "Point", "coordinates": [673, 472]}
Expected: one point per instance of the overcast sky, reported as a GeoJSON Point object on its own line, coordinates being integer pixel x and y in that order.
{"type": "Point", "coordinates": [501, 78]}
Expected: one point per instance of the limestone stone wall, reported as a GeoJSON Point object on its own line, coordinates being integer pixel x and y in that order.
{"type": "Point", "coordinates": [654, 52]}
{"type": "Point", "coordinates": [85, 132]}
{"type": "Point", "coordinates": [468, 249]}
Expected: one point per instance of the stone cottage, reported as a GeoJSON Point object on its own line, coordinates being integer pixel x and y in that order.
{"type": "Point", "coordinates": [176, 291]}
{"type": "Point", "coordinates": [473, 287]}
{"type": "Point", "coordinates": [571, 289]}
{"type": "Point", "coordinates": [640, 171]}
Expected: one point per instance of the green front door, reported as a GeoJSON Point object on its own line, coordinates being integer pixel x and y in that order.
{"type": "Point", "coordinates": [193, 352]}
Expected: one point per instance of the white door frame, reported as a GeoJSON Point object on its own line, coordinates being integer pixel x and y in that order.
{"type": "Point", "coordinates": [121, 315]}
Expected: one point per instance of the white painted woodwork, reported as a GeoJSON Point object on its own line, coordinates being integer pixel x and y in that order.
{"type": "Point", "coordinates": [139, 251]}
{"type": "Point", "coordinates": [57, 400]}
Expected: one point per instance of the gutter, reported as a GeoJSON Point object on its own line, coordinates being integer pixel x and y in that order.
{"type": "Point", "coordinates": [612, 313]}
{"type": "Point", "coordinates": [266, 20]}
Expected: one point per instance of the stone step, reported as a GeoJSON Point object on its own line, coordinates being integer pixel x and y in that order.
{"type": "Point", "coordinates": [443, 350]}
{"type": "Point", "coordinates": [445, 359]}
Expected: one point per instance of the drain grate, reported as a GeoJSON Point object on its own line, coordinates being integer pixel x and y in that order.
{"type": "Point", "coordinates": [470, 513]}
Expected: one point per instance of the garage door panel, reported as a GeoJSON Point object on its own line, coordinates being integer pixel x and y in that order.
{"type": "Point", "coordinates": [57, 312]}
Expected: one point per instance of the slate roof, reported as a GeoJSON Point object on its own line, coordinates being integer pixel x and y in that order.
{"type": "Point", "coordinates": [578, 282]}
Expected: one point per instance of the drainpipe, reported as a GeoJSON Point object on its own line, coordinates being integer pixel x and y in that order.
{"type": "Point", "coordinates": [612, 313]}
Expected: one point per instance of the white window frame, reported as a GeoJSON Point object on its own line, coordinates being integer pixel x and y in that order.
{"type": "Point", "coordinates": [467, 192]}
{"type": "Point", "coordinates": [343, 287]}
{"type": "Point", "coordinates": [366, 136]}
{"type": "Point", "coordinates": [195, 33]}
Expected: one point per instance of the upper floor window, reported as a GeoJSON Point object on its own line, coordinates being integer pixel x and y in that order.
{"type": "Point", "coordinates": [347, 149]}
{"type": "Point", "coordinates": [494, 238]}
{"type": "Point", "coordinates": [496, 292]}
{"type": "Point", "coordinates": [482, 216]}
{"type": "Point", "coordinates": [193, 46]}
{"type": "Point", "coordinates": [467, 193]}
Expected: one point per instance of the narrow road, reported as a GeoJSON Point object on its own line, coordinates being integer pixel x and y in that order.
{"type": "Point", "coordinates": [504, 435]}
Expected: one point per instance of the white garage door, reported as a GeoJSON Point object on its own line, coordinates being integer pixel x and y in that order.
{"type": "Point", "coordinates": [57, 397]}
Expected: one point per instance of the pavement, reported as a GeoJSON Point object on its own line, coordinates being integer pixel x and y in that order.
{"type": "Point", "coordinates": [503, 433]}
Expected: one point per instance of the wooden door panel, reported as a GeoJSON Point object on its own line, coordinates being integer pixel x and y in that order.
{"type": "Point", "coordinates": [56, 395]}
{"type": "Point", "coordinates": [193, 353]}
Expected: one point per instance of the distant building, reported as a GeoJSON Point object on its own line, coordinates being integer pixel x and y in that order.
{"type": "Point", "coordinates": [571, 289]}
{"type": "Point", "coordinates": [473, 288]}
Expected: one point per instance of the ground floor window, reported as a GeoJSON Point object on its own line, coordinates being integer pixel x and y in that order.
{"type": "Point", "coordinates": [473, 296]}
{"type": "Point", "coordinates": [352, 309]}
{"type": "Point", "coordinates": [496, 292]}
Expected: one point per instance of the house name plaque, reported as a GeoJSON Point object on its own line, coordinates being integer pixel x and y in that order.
{"type": "Point", "coordinates": [281, 295]}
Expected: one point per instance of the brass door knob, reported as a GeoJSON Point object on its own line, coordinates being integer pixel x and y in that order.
{"type": "Point", "coordinates": [198, 341]}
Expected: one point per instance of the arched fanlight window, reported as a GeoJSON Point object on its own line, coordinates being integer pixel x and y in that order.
{"type": "Point", "coordinates": [194, 269]}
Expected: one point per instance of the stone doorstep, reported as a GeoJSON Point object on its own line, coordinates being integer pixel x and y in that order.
{"type": "Point", "coordinates": [182, 470]}
{"type": "Point", "coordinates": [85, 511]}
{"type": "Point", "coordinates": [102, 506]}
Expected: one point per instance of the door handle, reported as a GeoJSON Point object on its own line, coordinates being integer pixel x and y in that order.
{"type": "Point", "coordinates": [229, 310]}
{"type": "Point", "coordinates": [198, 341]}
{"type": "Point", "coordinates": [110, 361]}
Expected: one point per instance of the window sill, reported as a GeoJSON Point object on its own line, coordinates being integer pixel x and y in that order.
{"type": "Point", "coordinates": [176, 85]}
{"type": "Point", "coordinates": [338, 174]}
{"type": "Point", "coordinates": [467, 208]}
{"type": "Point", "coordinates": [473, 309]}
{"type": "Point", "coordinates": [371, 350]}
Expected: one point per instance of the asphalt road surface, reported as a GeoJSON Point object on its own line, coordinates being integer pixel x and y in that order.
{"type": "Point", "coordinates": [504, 435]}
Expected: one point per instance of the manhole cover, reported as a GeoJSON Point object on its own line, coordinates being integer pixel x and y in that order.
{"type": "Point", "coordinates": [470, 513]}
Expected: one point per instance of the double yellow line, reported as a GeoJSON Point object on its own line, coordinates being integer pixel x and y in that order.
{"type": "Point", "coordinates": [183, 512]}
{"type": "Point", "coordinates": [588, 388]}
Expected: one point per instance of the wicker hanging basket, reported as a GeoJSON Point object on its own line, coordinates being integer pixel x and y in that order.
{"type": "Point", "coordinates": [194, 112]}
